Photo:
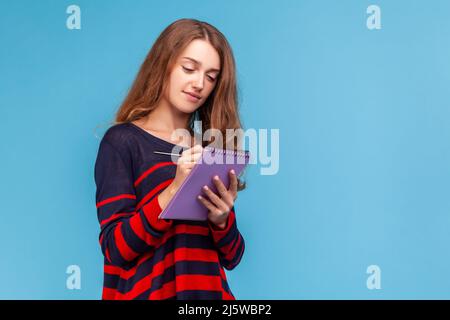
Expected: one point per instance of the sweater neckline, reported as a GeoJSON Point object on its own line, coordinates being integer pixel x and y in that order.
{"type": "Point", "coordinates": [155, 138]}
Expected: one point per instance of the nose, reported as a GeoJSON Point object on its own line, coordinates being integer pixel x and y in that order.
{"type": "Point", "coordinates": [198, 82]}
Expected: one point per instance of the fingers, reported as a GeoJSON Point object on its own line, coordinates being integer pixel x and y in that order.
{"type": "Point", "coordinates": [191, 155]}
{"type": "Point", "coordinates": [233, 184]}
{"type": "Point", "coordinates": [220, 186]}
{"type": "Point", "coordinates": [212, 208]}
{"type": "Point", "coordinates": [215, 204]}
{"type": "Point", "coordinates": [197, 149]}
{"type": "Point", "coordinates": [190, 159]}
{"type": "Point", "coordinates": [225, 201]}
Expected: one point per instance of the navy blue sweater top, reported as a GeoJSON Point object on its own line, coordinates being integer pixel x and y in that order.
{"type": "Point", "coordinates": [146, 257]}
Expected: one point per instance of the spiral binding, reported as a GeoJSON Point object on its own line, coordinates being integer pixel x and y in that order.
{"type": "Point", "coordinates": [236, 153]}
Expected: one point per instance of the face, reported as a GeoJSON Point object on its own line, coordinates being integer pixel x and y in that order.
{"type": "Point", "coordinates": [193, 77]}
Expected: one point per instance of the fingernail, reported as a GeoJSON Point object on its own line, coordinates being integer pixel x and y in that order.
{"type": "Point", "coordinates": [205, 187]}
{"type": "Point", "coordinates": [199, 197]}
{"type": "Point", "coordinates": [216, 177]}
{"type": "Point", "coordinates": [232, 171]}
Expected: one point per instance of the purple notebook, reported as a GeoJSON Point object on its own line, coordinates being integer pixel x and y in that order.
{"type": "Point", "coordinates": [184, 204]}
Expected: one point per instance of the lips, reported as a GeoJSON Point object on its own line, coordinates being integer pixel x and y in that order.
{"type": "Point", "coordinates": [192, 95]}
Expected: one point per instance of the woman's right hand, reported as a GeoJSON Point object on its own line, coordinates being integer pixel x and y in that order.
{"type": "Point", "coordinates": [185, 163]}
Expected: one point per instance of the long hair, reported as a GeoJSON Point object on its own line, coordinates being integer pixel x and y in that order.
{"type": "Point", "coordinates": [219, 111]}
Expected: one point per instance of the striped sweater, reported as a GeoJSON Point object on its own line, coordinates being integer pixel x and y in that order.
{"type": "Point", "coordinates": [146, 257]}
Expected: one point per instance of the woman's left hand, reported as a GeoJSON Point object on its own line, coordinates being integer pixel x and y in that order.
{"type": "Point", "coordinates": [219, 205]}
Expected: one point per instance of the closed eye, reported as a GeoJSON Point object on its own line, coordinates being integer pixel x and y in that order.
{"type": "Point", "coordinates": [187, 70]}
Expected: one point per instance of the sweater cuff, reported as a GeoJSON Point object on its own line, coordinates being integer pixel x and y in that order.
{"type": "Point", "coordinates": [219, 233]}
{"type": "Point", "coordinates": [152, 211]}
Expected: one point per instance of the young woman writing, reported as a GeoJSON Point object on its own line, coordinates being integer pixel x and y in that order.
{"type": "Point", "coordinates": [188, 75]}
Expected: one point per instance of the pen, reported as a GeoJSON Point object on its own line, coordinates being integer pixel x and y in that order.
{"type": "Point", "coordinates": [168, 153]}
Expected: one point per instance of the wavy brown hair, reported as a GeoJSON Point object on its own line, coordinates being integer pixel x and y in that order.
{"type": "Point", "coordinates": [219, 111]}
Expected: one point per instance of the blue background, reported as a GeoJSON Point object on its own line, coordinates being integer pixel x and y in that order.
{"type": "Point", "coordinates": [364, 125]}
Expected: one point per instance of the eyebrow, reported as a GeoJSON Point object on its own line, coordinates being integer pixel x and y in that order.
{"type": "Point", "coordinates": [199, 63]}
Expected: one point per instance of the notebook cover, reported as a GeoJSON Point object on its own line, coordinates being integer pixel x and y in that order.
{"type": "Point", "coordinates": [184, 205]}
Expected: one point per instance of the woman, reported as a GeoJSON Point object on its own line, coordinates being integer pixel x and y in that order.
{"type": "Point", "coordinates": [188, 75]}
